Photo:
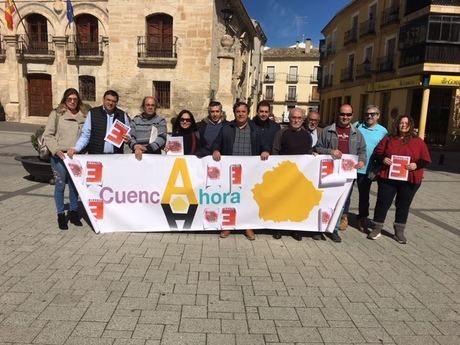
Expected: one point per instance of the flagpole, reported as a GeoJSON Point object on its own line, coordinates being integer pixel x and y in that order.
{"type": "Point", "coordinates": [20, 18]}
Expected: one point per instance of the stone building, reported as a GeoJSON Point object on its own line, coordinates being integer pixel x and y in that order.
{"type": "Point", "coordinates": [402, 55]}
{"type": "Point", "coordinates": [185, 52]}
{"type": "Point", "coordinates": [291, 78]}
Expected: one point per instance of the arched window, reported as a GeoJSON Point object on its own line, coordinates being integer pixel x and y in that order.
{"type": "Point", "coordinates": [87, 35]}
{"type": "Point", "coordinates": [159, 32]}
{"type": "Point", "coordinates": [37, 34]}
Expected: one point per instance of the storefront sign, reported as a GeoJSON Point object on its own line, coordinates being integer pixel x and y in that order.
{"type": "Point", "coordinates": [445, 80]}
{"type": "Point", "coordinates": [395, 84]}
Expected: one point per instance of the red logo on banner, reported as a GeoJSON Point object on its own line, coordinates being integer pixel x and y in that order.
{"type": "Point", "coordinates": [235, 174]}
{"type": "Point", "coordinates": [97, 208]}
{"type": "Point", "coordinates": [94, 172]}
{"type": "Point", "coordinates": [228, 217]}
{"type": "Point", "coordinates": [327, 167]}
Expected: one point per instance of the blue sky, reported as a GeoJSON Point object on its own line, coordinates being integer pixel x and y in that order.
{"type": "Point", "coordinates": [285, 21]}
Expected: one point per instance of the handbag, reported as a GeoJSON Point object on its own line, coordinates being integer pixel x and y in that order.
{"type": "Point", "coordinates": [43, 152]}
{"type": "Point", "coordinates": [376, 165]}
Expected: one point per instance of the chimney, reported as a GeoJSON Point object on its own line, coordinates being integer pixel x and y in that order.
{"type": "Point", "coordinates": [307, 45]}
{"type": "Point", "coordinates": [297, 45]}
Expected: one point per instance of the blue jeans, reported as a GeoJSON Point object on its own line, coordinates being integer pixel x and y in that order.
{"type": "Point", "coordinates": [61, 176]}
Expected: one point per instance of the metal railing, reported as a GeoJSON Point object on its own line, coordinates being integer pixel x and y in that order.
{"type": "Point", "coordinates": [146, 49]}
{"type": "Point", "coordinates": [328, 79]}
{"type": "Point", "coordinates": [77, 48]}
{"type": "Point", "coordinates": [390, 15]}
{"type": "Point", "coordinates": [292, 78]}
{"type": "Point", "coordinates": [385, 63]}
{"type": "Point", "coordinates": [346, 74]}
{"type": "Point", "coordinates": [269, 78]}
{"type": "Point", "coordinates": [268, 96]}
{"type": "Point", "coordinates": [314, 78]}
{"type": "Point", "coordinates": [291, 97]}
{"type": "Point", "coordinates": [29, 45]}
{"type": "Point", "coordinates": [367, 28]}
{"type": "Point", "coordinates": [350, 36]}
{"type": "Point", "coordinates": [364, 70]}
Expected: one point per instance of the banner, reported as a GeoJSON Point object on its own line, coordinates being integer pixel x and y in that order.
{"type": "Point", "coordinates": [174, 193]}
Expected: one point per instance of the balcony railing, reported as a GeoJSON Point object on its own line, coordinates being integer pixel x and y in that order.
{"type": "Point", "coordinates": [364, 70]}
{"type": "Point", "coordinates": [269, 78]}
{"type": "Point", "coordinates": [390, 15]}
{"type": "Point", "coordinates": [367, 28]}
{"type": "Point", "coordinates": [76, 48]}
{"type": "Point", "coordinates": [346, 74]}
{"type": "Point", "coordinates": [350, 36]}
{"type": "Point", "coordinates": [146, 49]}
{"type": "Point", "coordinates": [314, 79]}
{"type": "Point", "coordinates": [268, 96]}
{"type": "Point", "coordinates": [291, 97]}
{"type": "Point", "coordinates": [385, 64]}
{"type": "Point", "coordinates": [314, 97]}
{"type": "Point", "coordinates": [28, 45]}
{"type": "Point", "coordinates": [440, 54]}
{"type": "Point", "coordinates": [292, 78]}
{"type": "Point", "coordinates": [328, 79]}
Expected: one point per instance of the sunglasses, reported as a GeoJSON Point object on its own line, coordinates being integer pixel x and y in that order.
{"type": "Point", "coordinates": [185, 120]}
{"type": "Point", "coordinates": [371, 114]}
{"type": "Point", "coordinates": [346, 114]}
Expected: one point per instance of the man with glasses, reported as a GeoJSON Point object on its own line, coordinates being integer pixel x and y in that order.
{"type": "Point", "coordinates": [373, 133]}
{"type": "Point", "coordinates": [337, 139]}
{"type": "Point", "coordinates": [311, 125]}
{"type": "Point", "coordinates": [148, 130]}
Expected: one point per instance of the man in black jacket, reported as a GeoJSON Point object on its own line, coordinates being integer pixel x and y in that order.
{"type": "Point", "coordinates": [240, 137]}
{"type": "Point", "coordinates": [267, 127]}
{"type": "Point", "coordinates": [209, 128]}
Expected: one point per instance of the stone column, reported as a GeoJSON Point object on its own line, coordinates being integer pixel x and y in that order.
{"type": "Point", "coordinates": [60, 79]}
{"type": "Point", "coordinates": [424, 113]}
{"type": "Point", "coordinates": [226, 58]}
{"type": "Point", "coordinates": [12, 109]}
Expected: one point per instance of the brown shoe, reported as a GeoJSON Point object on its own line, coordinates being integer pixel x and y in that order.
{"type": "Point", "coordinates": [362, 225]}
{"type": "Point", "coordinates": [250, 235]}
{"type": "Point", "coordinates": [225, 233]}
{"type": "Point", "coordinates": [343, 222]}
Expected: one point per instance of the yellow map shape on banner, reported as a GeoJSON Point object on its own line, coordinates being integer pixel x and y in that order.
{"type": "Point", "coordinates": [285, 194]}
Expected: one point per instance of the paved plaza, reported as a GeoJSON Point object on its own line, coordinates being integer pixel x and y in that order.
{"type": "Point", "coordinates": [76, 287]}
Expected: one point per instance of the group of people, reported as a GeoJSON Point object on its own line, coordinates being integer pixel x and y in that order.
{"type": "Point", "coordinates": [71, 129]}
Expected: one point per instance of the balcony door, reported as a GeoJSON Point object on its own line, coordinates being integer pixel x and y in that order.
{"type": "Point", "coordinates": [38, 34]}
{"type": "Point", "coordinates": [87, 35]}
{"type": "Point", "coordinates": [159, 35]}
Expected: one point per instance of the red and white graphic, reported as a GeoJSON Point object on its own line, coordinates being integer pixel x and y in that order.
{"type": "Point", "coordinates": [330, 173]}
{"type": "Point", "coordinates": [211, 219]}
{"type": "Point", "coordinates": [348, 164]}
{"type": "Point", "coordinates": [236, 172]}
{"type": "Point", "coordinates": [175, 146]}
{"type": "Point", "coordinates": [325, 216]}
{"type": "Point", "coordinates": [398, 169]}
{"type": "Point", "coordinates": [75, 168]}
{"type": "Point", "coordinates": [116, 133]}
{"type": "Point", "coordinates": [327, 167]}
{"type": "Point", "coordinates": [94, 173]}
{"type": "Point", "coordinates": [213, 174]}
{"type": "Point", "coordinates": [97, 208]}
{"type": "Point", "coordinates": [228, 218]}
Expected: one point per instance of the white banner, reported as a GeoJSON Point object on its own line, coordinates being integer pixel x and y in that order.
{"type": "Point", "coordinates": [162, 193]}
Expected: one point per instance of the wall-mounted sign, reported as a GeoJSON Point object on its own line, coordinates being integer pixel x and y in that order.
{"type": "Point", "coordinates": [445, 80]}
{"type": "Point", "coordinates": [395, 84]}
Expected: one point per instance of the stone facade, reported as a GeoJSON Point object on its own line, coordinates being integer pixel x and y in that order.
{"type": "Point", "coordinates": [209, 58]}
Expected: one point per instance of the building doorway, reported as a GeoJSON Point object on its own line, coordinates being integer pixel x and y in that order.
{"type": "Point", "coordinates": [40, 94]}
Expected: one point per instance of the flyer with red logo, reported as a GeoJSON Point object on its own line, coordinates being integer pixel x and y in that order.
{"type": "Point", "coordinates": [116, 133]}
{"type": "Point", "coordinates": [398, 169]}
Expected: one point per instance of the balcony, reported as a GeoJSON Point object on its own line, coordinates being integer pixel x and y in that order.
{"type": "Point", "coordinates": [430, 53]}
{"type": "Point", "coordinates": [390, 16]}
{"type": "Point", "coordinates": [385, 64]}
{"type": "Point", "coordinates": [364, 70]}
{"type": "Point", "coordinates": [31, 49]}
{"type": "Point", "coordinates": [314, 79]}
{"type": "Point", "coordinates": [2, 49]}
{"type": "Point", "coordinates": [328, 79]}
{"type": "Point", "coordinates": [269, 78]}
{"type": "Point", "coordinates": [268, 96]}
{"type": "Point", "coordinates": [346, 74]}
{"type": "Point", "coordinates": [89, 52]}
{"type": "Point", "coordinates": [415, 5]}
{"type": "Point", "coordinates": [292, 78]}
{"type": "Point", "coordinates": [350, 36]}
{"type": "Point", "coordinates": [156, 54]}
{"type": "Point", "coordinates": [314, 97]}
{"type": "Point", "coordinates": [291, 97]}
{"type": "Point", "coordinates": [367, 28]}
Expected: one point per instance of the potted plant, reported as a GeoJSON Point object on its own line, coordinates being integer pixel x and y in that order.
{"type": "Point", "coordinates": [38, 169]}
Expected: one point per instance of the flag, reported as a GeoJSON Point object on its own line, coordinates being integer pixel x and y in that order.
{"type": "Point", "coordinates": [69, 11]}
{"type": "Point", "coordinates": [9, 10]}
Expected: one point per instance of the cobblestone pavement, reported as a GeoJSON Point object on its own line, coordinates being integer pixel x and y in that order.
{"type": "Point", "coordinates": [75, 287]}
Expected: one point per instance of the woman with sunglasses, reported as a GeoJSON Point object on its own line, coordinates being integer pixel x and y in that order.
{"type": "Point", "coordinates": [61, 133]}
{"type": "Point", "coordinates": [184, 126]}
{"type": "Point", "coordinates": [402, 141]}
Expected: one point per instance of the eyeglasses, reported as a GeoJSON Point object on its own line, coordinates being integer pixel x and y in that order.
{"type": "Point", "coordinates": [371, 114]}
{"type": "Point", "coordinates": [313, 120]}
{"type": "Point", "coordinates": [72, 99]}
{"type": "Point", "coordinates": [185, 120]}
{"type": "Point", "coordinates": [346, 114]}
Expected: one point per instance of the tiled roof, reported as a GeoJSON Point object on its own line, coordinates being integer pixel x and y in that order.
{"type": "Point", "coordinates": [291, 53]}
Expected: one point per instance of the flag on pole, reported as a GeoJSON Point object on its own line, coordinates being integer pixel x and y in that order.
{"type": "Point", "coordinates": [69, 11]}
{"type": "Point", "coordinates": [9, 10]}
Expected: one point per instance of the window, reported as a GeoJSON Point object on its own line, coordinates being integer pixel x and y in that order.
{"type": "Point", "coordinates": [162, 91]}
{"type": "Point", "coordinates": [269, 92]}
{"type": "Point", "coordinates": [292, 76]}
{"type": "Point", "coordinates": [159, 35]}
{"type": "Point", "coordinates": [314, 96]}
{"type": "Point", "coordinates": [270, 76]}
{"type": "Point", "coordinates": [292, 93]}
{"type": "Point", "coordinates": [38, 34]}
{"type": "Point", "coordinates": [444, 29]}
{"type": "Point", "coordinates": [87, 35]}
{"type": "Point", "coordinates": [314, 76]}
{"type": "Point", "coordinates": [87, 87]}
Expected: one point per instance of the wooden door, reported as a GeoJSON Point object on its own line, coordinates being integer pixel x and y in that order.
{"type": "Point", "coordinates": [160, 36]}
{"type": "Point", "coordinates": [39, 94]}
{"type": "Point", "coordinates": [87, 35]}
